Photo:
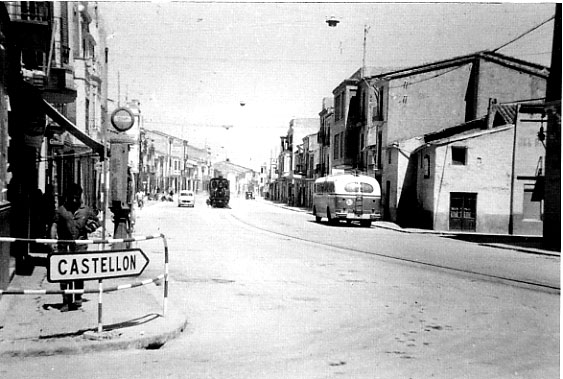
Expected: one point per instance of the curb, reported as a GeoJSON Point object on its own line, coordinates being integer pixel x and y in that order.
{"type": "Point", "coordinates": [401, 230]}
{"type": "Point", "coordinates": [522, 249]}
{"type": "Point", "coordinates": [439, 234]}
{"type": "Point", "coordinates": [80, 345]}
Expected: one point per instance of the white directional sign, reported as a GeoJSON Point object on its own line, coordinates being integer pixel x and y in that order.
{"type": "Point", "coordinates": [96, 265]}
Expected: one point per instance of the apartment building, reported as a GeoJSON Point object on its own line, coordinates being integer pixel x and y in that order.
{"type": "Point", "coordinates": [52, 61]}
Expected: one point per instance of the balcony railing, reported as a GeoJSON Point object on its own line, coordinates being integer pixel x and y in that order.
{"type": "Point", "coordinates": [29, 11]}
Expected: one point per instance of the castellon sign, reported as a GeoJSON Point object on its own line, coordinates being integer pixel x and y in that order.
{"type": "Point", "coordinates": [96, 265]}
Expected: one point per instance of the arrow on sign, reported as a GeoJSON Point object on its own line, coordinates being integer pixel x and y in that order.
{"type": "Point", "coordinates": [96, 265]}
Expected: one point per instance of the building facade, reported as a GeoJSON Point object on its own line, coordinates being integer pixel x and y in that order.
{"type": "Point", "coordinates": [169, 163]}
{"type": "Point", "coordinates": [423, 99]}
{"type": "Point", "coordinates": [49, 54]}
{"type": "Point", "coordinates": [324, 137]}
{"type": "Point", "coordinates": [484, 176]}
{"type": "Point", "coordinates": [290, 159]}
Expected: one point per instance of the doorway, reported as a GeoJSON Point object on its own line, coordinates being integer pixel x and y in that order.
{"type": "Point", "coordinates": [463, 211]}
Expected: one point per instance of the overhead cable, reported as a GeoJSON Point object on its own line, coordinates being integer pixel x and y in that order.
{"type": "Point", "coordinates": [524, 34]}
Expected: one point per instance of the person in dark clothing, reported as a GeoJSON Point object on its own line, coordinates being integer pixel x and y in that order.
{"type": "Point", "coordinates": [66, 227]}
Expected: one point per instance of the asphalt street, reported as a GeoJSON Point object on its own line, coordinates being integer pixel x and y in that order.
{"type": "Point", "coordinates": [271, 294]}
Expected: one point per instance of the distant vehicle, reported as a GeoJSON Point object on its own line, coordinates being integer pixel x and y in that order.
{"type": "Point", "coordinates": [347, 197]}
{"type": "Point", "coordinates": [249, 195]}
{"type": "Point", "coordinates": [186, 198]}
{"type": "Point", "coordinates": [219, 193]}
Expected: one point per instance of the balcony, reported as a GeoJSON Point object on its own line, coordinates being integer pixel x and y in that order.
{"type": "Point", "coordinates": [60, 86]}
{"type": "Point", "coordinates": [31, 24]}
{"type": "Point", "coordinates": [33, 12]}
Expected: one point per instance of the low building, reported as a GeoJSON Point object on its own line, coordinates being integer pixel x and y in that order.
{"type": "Point", "coordinates": [484, 176]}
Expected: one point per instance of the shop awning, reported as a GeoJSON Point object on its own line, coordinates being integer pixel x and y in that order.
{"type": "Point", "coordinates": [60, 119]}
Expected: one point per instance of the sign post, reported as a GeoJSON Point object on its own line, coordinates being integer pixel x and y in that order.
{"type": "Point", "coordinates": [96, 265]}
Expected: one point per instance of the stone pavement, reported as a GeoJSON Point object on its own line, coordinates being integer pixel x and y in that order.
{"type": "Point", "coordinates": [132, 318]}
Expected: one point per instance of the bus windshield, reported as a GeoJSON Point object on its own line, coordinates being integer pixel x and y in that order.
{"type": "Point", "coordinates": [358, 187]}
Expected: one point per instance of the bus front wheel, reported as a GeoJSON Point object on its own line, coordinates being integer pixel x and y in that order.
{"type": "Point", "coordinates": [365, 223]}
{"type": "Point", "coordinates": [317, 217]}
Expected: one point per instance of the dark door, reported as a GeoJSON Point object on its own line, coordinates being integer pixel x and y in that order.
{"type": "Point", "coordinates": [463, 211]}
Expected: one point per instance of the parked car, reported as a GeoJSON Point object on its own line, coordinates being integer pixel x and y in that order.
{"type": "Point", "coordinates": [186, 198]}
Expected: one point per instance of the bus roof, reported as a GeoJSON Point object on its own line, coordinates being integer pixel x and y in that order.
{"type": "Point", "coordinates": [341, 180]}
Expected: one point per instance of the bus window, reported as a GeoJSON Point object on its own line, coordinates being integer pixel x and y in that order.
{"type": "Point", "coordinates": [351, 187]}
{"type": "Point", "coordinates": [358, 187]}
{"type": "Point", "coordinates": [366, 188]}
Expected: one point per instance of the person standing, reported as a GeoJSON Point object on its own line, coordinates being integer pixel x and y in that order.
{"type": "Point", "coordinates": [139, 198]}
{"type": "Point", "coordinates": [66, 227]}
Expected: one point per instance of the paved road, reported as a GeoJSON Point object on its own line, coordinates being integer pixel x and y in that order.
{"type": "Point", "coordinates": [432, 250]}
{"type": "Point", "coordinates": [266, 305]}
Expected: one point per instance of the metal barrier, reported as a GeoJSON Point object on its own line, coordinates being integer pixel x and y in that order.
{"type": "Point", "coordinates": [100, 289]}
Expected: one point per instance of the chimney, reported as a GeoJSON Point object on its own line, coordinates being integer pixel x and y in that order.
{"type": "Point", "coordinates": [491, 112]}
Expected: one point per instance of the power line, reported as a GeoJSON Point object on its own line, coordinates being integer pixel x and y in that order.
{"type": "Point", "coordinates": [225, 126]}
{"type": "Point", "coordinates": [524, 34]}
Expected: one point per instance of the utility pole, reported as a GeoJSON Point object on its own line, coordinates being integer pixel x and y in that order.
{"type": "Point", "coordinates": [366, 30]}
{"type": "Point", "coordinates": [552, 190]}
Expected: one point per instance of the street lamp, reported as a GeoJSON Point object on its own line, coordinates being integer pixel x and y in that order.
{"type": "Point", "coordinates": [332, 21]}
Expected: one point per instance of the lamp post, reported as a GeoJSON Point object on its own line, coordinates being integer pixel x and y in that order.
{"type": "Point", "coordinates": [333, 22]}
{"type": "Point", "coordinates": [142, 154]}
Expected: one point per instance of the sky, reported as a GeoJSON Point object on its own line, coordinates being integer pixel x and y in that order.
{"type": "Point", "coordinates": [192, 65]}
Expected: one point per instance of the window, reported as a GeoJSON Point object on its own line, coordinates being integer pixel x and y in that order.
{"type": "Point", "coordinates": [426, 168]}
{"type": "Point", "coordinates": [342, 145]}
{"type": "Point", "coordinates": [338, 106]}
{"type": "Point", "coordinates": [389, 158]}
{"type": "Point", "coordinates": [337, 146]}
{"type": "Point", "coordinates": [358, 187]}
{"type": "Point", "coordinates": [378, 156]}
{"type": "Point", "coordinates": [459, 155]}
{"type": "Point", "coordinates": [377, 109]}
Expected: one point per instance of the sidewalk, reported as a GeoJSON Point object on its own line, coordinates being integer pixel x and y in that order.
{"type": "Point", "coordinates": [525, 244]}
{"type": "Point", "coordinates": [32, 325]}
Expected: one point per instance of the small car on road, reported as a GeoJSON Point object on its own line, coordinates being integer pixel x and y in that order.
{"type": "Point", "coordinates": [186, 198]}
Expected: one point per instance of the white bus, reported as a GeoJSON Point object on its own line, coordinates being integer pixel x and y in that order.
{"type": "Point", "coordinates": [347, 197]}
